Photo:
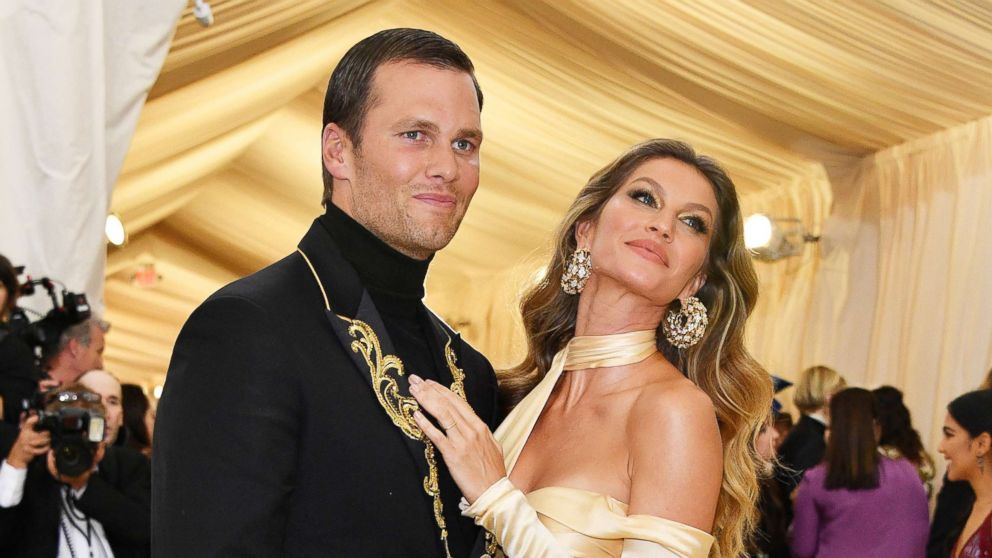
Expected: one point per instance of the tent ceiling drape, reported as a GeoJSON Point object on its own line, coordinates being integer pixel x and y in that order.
{"type": "Point", "coordinates": [223, 175]}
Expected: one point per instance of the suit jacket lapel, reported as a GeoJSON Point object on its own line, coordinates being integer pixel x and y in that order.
{"type": "Point", "coordinates": [350, 307]}
{"type": "Point", "coordinates": [441, 340]}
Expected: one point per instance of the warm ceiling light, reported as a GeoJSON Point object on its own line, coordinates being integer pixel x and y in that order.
{"type": "Point", "coordinates": [114, 229]}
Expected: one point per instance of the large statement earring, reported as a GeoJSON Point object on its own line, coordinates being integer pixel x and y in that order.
{"type": "Point", "coordinates": [577, 270]}
{"type": "Point", "coordinates": [686, 327]}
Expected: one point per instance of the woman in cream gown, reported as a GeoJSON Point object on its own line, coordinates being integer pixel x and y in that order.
{"type": "Point", "coordinates": [635, 410]}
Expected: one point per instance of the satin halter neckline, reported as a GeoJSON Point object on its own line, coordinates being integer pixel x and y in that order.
{"type": "Point", "coordinates": [603, 351]}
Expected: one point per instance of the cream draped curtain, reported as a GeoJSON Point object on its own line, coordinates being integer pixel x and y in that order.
{"type": "Point", "coordinates": [902, 291]}
{"type": "Point", "coordinates": [73, 79]}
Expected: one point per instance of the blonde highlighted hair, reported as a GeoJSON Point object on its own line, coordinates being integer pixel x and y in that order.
{"type": "Point", "coordinates": [719, 364]}
{"type": "Point", "coordinates": [816, 384]}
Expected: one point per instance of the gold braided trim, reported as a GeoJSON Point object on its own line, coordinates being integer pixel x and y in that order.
{"type": "Point", "coordinates": [400, 408]}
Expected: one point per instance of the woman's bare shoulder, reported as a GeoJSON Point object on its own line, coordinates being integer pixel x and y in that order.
{"type": "Point", "coordinates": [676, 453]}
{"type": "Point", "coordinates": [672, 397]}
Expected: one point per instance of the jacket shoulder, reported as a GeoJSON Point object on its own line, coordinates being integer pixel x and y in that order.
{"type": "Point", "coordinates": [469, 354]}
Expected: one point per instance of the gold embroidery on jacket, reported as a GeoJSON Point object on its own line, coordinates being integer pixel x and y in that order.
{"type": "Point", "coordinates": [400, 408]}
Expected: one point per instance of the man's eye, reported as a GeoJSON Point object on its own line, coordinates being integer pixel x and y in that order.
{"type": "Point", "coordinates": [413, 135]}
{"type": "Point", "coordinates": [645, 197]}
{"type": "Point", "coordinates": [463, 145]}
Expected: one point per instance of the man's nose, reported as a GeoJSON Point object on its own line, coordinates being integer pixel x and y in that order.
{"type": "Point", "coordinates": [442, 163]}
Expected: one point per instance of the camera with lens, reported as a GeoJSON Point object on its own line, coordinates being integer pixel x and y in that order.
{"type": "Point", "coordinates": [76, 429]}
{"type": "Point", "coordinates": [42, 335]}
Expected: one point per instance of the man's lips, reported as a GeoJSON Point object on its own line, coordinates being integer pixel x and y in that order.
{"type": "Point", "coordinates": [437, 199]}
{"type": "Point", "coordinates": [650, 250]}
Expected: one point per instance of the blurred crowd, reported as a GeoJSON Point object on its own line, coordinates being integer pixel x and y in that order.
{"type": "Point", "coordinates": [851, 476]}
{"type": "Point", "coordinates": [76, 477]}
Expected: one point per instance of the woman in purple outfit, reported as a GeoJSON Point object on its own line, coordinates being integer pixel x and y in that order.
{"type": "Point", "coordinates": [859, 502]}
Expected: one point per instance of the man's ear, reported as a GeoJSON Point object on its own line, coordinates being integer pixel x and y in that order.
{"type": "Point", "coordinates": [336, 149]}
{"type": "Point", "coordinates": [75, 347]}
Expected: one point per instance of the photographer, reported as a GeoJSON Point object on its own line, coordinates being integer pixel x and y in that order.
{"type": "Point", "coordinates": [79, 350]}
{"type": "Point", "coordinates": [66, 506]}
{"type": "Point", "coordinates": [18, 373]}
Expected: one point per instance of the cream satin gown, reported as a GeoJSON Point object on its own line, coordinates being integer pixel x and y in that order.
{"type": "Point", "coordinates": [553, 522]}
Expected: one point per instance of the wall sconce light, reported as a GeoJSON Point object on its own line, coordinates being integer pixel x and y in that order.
{"type": "Point", "coordinates": [772, 238]}
{"type": "Point", "coordinates": [115, 231]}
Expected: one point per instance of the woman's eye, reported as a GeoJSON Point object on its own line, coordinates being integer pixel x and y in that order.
{"type": "Point", "coordinates": [645, 197]}
{"type": "Point", "coordinates": [696, 222]}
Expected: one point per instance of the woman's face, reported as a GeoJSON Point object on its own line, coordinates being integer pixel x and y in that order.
{"type": "Point", "coordinates": [654, 233]}
{"type": "Point", "coordinates": [958, 448]}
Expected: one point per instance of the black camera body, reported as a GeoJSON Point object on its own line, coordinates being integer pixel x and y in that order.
{"type": "Point", "coordinates": [76, 433]}
{"type": "Point", "coordinates": [43, 335]}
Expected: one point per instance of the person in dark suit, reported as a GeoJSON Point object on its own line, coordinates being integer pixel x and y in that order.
{"type": "Point", "coordinates": [109, 505]}
{"type": "Point", "coordinates": [805, 445]}
{"type": "Point", "coordinates": [286, 427]}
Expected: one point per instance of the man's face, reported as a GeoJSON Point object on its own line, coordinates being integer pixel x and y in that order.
{"type": "Point", "coordinates": [110, 395]}
{"type": "Point", "coordinates": [417, 168]}
{"type": "Point", "coordinates": [90, 357]}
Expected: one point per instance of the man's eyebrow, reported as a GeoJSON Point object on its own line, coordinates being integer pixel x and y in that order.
{"type": "Point", "coordinates": [418, 124]}
{"type": "Point", "coordinates": [661, 188]}
{"type": "Point", "coordinates": [470, 133]}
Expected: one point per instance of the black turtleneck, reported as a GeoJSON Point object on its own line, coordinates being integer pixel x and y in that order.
{"type": "Point", "coordinates": [396, 284]}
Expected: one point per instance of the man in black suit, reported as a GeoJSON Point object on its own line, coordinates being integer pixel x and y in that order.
{"type": "Point", "coordinates": [51, 514]}
{"type": "Point", "coordinates": [285, 427]}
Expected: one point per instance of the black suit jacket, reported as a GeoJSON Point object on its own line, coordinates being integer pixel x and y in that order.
{"type": "Point", "coordinates": [802, 449]}
{"type": "Point", "coordinates": [118, 496]}
{"type": "Point", "coordinates": [270, 438]}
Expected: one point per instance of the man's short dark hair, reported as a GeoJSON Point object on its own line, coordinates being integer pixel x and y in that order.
{"type": "Point", "coordinates": [349, 91]}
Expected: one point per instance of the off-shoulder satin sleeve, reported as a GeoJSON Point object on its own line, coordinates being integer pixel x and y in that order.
{"type": "Point", "coordinates": [556, 522]}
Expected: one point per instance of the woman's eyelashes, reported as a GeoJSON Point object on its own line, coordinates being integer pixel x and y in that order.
{"type": "Point", "coordinates": [645, 197]}
{"type": "Point", "coordinates": [648, 198]}
{"type": "Point", "coordinates": [697, 223]}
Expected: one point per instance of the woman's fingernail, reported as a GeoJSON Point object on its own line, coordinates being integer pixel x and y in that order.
{"type": "Point", "coordinates": [415, 379]}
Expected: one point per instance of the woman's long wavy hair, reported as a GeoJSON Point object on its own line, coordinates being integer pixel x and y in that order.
{"type": "Point", "coordinates": [741, 390]}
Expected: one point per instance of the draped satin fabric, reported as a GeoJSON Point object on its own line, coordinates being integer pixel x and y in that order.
{"type": "Point", "coordinates": [560, 521]}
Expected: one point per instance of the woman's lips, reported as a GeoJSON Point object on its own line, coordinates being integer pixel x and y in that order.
{"type": "Point", "coordinates": [650, 250]}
